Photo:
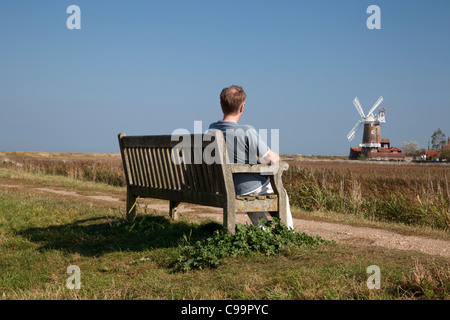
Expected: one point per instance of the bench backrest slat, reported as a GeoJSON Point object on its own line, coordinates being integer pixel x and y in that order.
{"type": "Point", "coordinates": [148, 176]}
{"type": "Point", "coordinates": [155, 168]}
{"type": "Point", "coordinates": [174, 178]}
{"type": "Point", "coordinates": [151, 168]}
{"type": "Point", "coordinates": [133, 178]}
{"type": "Point", "coordinates": [171, 184]}
{"type": "Point", "coordinates": [140, 167]}
{"type": "Point", "coordinates": [160, 169]}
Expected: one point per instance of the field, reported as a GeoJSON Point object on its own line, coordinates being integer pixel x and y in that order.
{"type": "Point", "coordinates": [412, 194]}
{"type": "Point", "coordinates": [42, 233]}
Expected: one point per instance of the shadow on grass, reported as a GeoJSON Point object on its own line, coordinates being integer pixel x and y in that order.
{"type": "Point", "coordinates": [97, 236]}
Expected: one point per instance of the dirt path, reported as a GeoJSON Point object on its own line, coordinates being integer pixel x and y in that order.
{"type": "Point", "coordinates": [330, 231]}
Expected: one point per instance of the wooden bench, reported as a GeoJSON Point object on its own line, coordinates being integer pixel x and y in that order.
{"type": "Point", "coordinates": [156, 167]}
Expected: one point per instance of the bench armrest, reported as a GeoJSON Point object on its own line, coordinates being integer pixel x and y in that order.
{"type": "Point", "coordinates": [262, 169]}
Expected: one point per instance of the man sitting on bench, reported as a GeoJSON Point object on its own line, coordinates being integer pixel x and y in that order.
{"type": "Point", "coordinates": [246, 146]}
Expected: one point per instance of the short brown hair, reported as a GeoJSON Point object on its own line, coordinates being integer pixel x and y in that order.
{"type": "Point", "coordinates": [231, 99]}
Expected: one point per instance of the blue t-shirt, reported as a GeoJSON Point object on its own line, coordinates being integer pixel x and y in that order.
{"type": "Point", "coordinates": [244, 145]}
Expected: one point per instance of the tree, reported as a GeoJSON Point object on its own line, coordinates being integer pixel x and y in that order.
{"type": "Point", "coordinates": [437, 140]}
{"type": "Point", "coordinates": [410, 148]}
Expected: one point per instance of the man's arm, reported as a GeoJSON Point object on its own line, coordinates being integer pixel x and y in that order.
{"type": "Point", "coordinates": [270, 158]}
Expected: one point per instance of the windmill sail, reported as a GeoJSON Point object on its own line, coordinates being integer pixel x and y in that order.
{"type": "Point", "coordinates": [358, 107]}
{"type": "Point", "coordinates": [351, 134]}
{"type": "Point", "coordinates": [380, 99]}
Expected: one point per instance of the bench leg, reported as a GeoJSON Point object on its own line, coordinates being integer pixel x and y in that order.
{"type": "Point", "coordinates": [229, 219]}
{"type": "Point", "coordinates": [283, 203]}
{"type": "Point", "coordinates": [284, 213]}
{"type": "Point", "coordinates": [282, 209]}
{"type": "Point", "coordinates": [173, 209]}
{"type": "Point", "coordinates": [131, 206]}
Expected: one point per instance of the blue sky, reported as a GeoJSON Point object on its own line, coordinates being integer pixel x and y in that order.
{"type": "Point", "coordinates": [150, 67]}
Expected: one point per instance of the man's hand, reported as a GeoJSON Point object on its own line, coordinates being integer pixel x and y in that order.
{"type": "Point", "coordinates": [271, 158]}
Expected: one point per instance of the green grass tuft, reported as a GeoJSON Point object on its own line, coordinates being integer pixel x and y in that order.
{"type": "Point", "coordinates": [273, 239]}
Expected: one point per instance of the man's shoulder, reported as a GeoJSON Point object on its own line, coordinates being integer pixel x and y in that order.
{"type": "Point", "coordinates": [217, 125]}
{"type": "Point", "coordinates": [246, 127]}
{"type": "Point", "coordinates": [224, 125]}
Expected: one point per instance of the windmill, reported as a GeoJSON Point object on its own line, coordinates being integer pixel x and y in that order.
{"type": "Point", "coordinates": [372, 132]}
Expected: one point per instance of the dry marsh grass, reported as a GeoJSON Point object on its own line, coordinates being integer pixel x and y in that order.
{"type": "Point", "coordinates": [96, 167]}
{"type": "Point", "coordinates": [411, 194]}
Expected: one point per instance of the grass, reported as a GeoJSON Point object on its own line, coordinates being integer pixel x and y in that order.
{"type": "Point", "coordinates": [41, 234]}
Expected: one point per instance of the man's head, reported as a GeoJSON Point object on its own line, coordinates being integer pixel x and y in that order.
{"type": "Point", "coordinates": [232, 99]}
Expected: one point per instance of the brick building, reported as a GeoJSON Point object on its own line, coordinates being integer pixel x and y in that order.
{"type": "Point", "coordinates": [446, 146]}
{"type": "Point", "coordinates": [385, 152]}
